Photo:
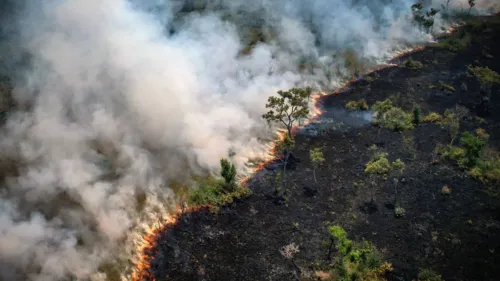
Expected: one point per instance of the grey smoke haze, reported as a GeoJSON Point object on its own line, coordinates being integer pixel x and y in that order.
{"type": "Point", "coordinates": [122, 98]}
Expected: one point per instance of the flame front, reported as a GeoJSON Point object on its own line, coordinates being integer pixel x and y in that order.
{"type": "Point", "coordinates": [147, 244]}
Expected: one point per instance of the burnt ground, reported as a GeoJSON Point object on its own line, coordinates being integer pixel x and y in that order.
{"type": "Point", "coordinates": [457, 235]}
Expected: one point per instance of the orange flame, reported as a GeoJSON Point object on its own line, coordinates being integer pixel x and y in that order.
{"type": "Point", "coordinates": [147, 246]}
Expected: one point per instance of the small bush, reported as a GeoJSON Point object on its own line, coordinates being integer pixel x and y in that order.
{"type": "Point", "coordinates": [446, 190]}
{"type": "Point", "coordinates": [446, 87]}
{"type": "Point", "coordinates": [433, 117]}
{"type": "Point", "coordinates": [357, 261]}
{"type": "Point", "coordinates": [453, 152]}
{"type": "Point", "coordinates": [382, 107]}
{"type": "Point", "coordinates": [473, 146]}
{"type": "Point", "coordinates": [416, 115]}
{"type": "Point", "coordinates": [212, 193]}
{"type": "Point", "coordinates": [397, 119]}
{"type": "Point", "coordinates": [412, 64]}
{"type": "Point", "coordinates": [480, 132]}
{"type": "Point", "coordinates": [228, 173]}
{"type": "Point", "coordinates": [428, 275]}
{"type": "Point", "coordinates": [487, 168]}
{"type": "Point", "coordinates": [357, 105]}
{"type": "Point", "coordinates": [484, 74]}
{"type": "Point", "coordinates": [399, 211]}
{"type": "Point", "coordinates": [454, 43]}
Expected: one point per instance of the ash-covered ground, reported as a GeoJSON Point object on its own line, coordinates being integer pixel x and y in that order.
{"type": "Point", "coordinates": [458, 236]}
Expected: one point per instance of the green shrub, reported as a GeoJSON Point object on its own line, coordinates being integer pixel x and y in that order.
{"type": "Point", "coordinates": [212, 192]}
{"type": "Point", "coordinates": [446, 190]}
{"type": "Point", "coordinates": [382, 107]}
{"type": "Point", "coordinates": [455, 43]}
{"type": "Point", "coordinates": [487, 168]}
{"type": "Point", "coordinates": [228, 173]}
{"type": "Point", "coordinates": [428, 275]}
{"type": "Point", "coordinates": [399, 211]}
{"type": "Point", "coordinates": [433, 117]}
{"type": "Point", "coordinates": [416, 115]}
{"type": "Point", "coordinates": [392, 117]}
{"type": "Point", "coordinates": [446, 87]}
{"type": "Point", "coordinates": [480, 132]}
{"type": "Point", "coordinates": [412, 64]}
{"type": "Point", "coordinates": [357, 105]}
{"type": "Point", "coordinates": [473, 146]}
{"type": "Point", "coordinates": [357, 261]}
{"type": "Point", "coordinates": [397, 119]}
{"type": "Point", "coordinates": [484, 74]}
{"type": "Point", "coordinates": [453, 152]}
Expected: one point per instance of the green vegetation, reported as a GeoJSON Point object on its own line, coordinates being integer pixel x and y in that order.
{"type": "Point", "coordinates": [412, 64]}
{"type": "Point", "coordinates": [433, 117]}
{"type": "Point", "coordinates": [483, 163]}
{"type": "Point", "coordinates": [288, 108]}
{"type": "Point", "coordinates": [399, 211]}
{"type": "Point", "coordinates": [356, 261]}
{"type": "Point", "coordinates": [391, 117]}
{"type": "Point", "coordinates": [446, 190]}
{"type": "Point", "coordinates": [228, 173]}
{"type": "Point", "coordinates": [485, 76]}
{"type": "Point", "coordinates": [379, 167]}
{"type": "Point", "coordinates": [215, 192]}
{"type": "Point", "coordinates": [456, 42]}
{"type": "Point", "coordinates": [316, 157]}
{"type": "Point", "coordinates": [416, 115]}
{"type": "Point", "coordinates": [357, 105]}
{"type": "Point", "coordinates": [446, 87]}
{"type": "Point", "coordinates": [397, 119]}
{"type": "Point", "coordinates": [428, 275]}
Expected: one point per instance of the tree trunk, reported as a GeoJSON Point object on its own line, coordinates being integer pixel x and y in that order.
{"type": "Point", "coordinates": [373, 189]}
{"type": "Point", "coordinates": [283, 179]}
{"type": "Point", "coordinates": [328, 256]}
{"type": "Point", "coordinates": [395, 194]}
{"type": "Point", "coordinates": [296, 267]}
{"type": "Point", "coordinates": [314, 174]}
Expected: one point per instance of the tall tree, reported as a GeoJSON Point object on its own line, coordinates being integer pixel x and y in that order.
{"type": "Point", "coordinates": [288, 107]}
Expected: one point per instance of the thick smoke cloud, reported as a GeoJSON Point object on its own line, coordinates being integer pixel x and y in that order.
{"type": "Point", "coordinates": [121, 99]}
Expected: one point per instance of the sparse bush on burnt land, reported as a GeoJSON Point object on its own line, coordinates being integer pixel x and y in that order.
{"type": "Point", "coordinates": [446, 87]}
{"type": "Point", "coordinates": [394, 118]}
{"type": "Point", "coordinates": [428, 275]}
{"type": "Point", "coordinates": [485, 76]}
{"type": "Point", "coordinates": [433, 117]}
{"type": "Point", "coordinates": [413, 64]}
{"type": "Point", "coordinates": [356, 260]}
{"type": "Point", "coordinates": [357, 105]}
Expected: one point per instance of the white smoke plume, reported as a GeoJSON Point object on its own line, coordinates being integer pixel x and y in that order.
{"type": "Point", "coordinates": [122, 98]}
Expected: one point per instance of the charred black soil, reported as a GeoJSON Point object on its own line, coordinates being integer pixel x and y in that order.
{"type": "Point", "coordinates": [457, 235]}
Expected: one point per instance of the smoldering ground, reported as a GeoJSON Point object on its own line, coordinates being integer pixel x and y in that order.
{"type": "Point", "coordinates": [120, 99]}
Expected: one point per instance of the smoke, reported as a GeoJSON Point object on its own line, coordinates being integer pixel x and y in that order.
{"type": "Point", "coordinates": [120, 99]}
